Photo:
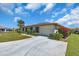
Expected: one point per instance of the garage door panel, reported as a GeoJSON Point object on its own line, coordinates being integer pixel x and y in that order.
{"type": "Point", "coordinates": [45, 30]}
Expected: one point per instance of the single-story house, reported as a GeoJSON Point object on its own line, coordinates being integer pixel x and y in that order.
{"type": "Point", "coordinates": [76, 30]}
{"type": "Point", "coordinates": [3, 29]}
{"type": "Point", "coordinates": [46, 28]}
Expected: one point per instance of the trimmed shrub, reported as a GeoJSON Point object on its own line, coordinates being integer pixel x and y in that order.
{"type": "Point", "coordinates": [69, 33]}
{"type": "Point", "coordinates": [34, 33]}
{"type": "Point", "coordinates": [64, 33]}
{"type": "Point", "coordinates": [56, 36]}
{"type": "Point", "coordinates": [29, 31]}
{"type": "Point", "coordinates": [61, 32]}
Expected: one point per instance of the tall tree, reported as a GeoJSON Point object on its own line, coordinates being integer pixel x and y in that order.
{"type": "Point", "coordinates": [20, 25]}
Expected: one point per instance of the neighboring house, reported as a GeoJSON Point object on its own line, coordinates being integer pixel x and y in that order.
{"type": "Point", "coordinates": [3, 29]}
{"type": "Point", "coordinates": [45, 28]}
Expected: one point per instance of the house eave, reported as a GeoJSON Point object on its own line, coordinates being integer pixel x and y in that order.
{"type": "Point", "coordinates": [55, 24]}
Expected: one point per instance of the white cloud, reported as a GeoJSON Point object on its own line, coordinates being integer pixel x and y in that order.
{"type": "Point", "coordinates": [33, 6]}
{"type": "Point", "coordinates": [74, 16]}
{"type": "Point", "coordinates": [63, 10]}
{"type": "Point", "coordinates": [69, 23]}
{"type": "Point", "coordinates": [55, 14]}
{"type": "Point", "coordinates": [18, 10]}
{"type": "Point", "coordinates": [64, 19]}
{"type": "Point", "coordinates": [72, 22]}
{"type": "Point", "coordinates": [75, 13]}
{"type": "Point", "coordinates": [11, 12]}
{"type": "Point", "coordinates": [16, 19]}
{"type": "Point", "coordinates": [47, 20]}
{"type": "Point", "coordinates": [7, 8]}
{"type": "Point", "coordinates": [48, 7]}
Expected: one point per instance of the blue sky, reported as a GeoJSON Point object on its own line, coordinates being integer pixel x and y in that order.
{"type": "Point", "coordinates": [66, 14]}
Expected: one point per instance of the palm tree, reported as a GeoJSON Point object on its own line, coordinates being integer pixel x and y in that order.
{"type": "Point", "coordinates": [20, 25]}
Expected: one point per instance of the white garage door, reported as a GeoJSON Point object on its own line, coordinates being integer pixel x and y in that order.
{"type": "Point", "coordinates": [45, 30]}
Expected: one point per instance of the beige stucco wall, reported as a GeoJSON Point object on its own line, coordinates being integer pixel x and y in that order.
{"type": "Point", "coordinates": [46, 30]}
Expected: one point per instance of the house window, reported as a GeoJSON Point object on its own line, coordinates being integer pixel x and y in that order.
{"type": "Point", "coordinates": [37, 29]}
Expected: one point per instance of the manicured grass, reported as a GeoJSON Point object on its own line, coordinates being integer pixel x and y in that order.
{"type": "Point", "coordinates": [11, 36]}
{"type": "Point", "coordinates": [73, 45]}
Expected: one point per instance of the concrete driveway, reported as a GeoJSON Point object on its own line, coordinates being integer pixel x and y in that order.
{"type": "Point", "coordinates": [36, 46]}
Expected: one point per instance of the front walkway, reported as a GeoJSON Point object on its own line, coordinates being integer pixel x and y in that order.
{"type": "Point", "coordinates": [36, 46]}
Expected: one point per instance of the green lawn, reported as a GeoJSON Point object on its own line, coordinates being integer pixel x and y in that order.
{"type": "Point", "coordinates": [11, 36]}
{"type": "Point", "coordinates": [73, 45]}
